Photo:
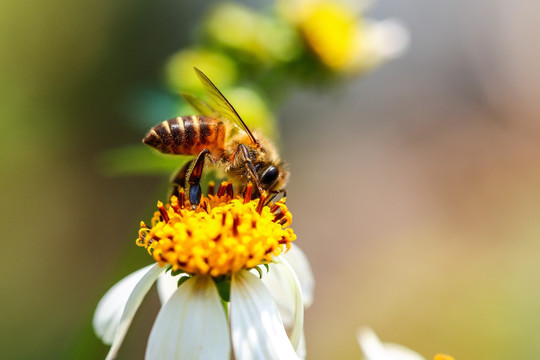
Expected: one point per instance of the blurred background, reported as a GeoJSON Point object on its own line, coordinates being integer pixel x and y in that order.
{"type": "Point", "coordinates": [415, 188]}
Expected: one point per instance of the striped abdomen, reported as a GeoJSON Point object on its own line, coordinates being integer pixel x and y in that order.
{"type": "Point", "coordinates": [187, 135]}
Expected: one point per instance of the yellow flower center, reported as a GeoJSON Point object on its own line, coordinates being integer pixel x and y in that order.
{"type": "Point", "coordinates": [225, 234]}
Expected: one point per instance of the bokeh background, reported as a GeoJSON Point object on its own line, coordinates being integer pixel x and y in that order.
{"type": "Point", "coordinates": [415, 188]}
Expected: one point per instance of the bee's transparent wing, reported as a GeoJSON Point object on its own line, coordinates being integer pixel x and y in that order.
{"type": "Point", "coordinates": [199, 105]}
{"type": "Point", "coordinates": [221, 106]}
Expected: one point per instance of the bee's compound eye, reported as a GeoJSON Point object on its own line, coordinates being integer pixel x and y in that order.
{"type": "Point", "coordinates": [269, 176]}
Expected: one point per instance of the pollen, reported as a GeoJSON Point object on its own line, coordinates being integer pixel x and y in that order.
{"type": "Point", "coordinates": [226, 233]}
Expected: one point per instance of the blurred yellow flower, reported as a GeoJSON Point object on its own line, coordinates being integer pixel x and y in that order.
{"type": "Point", "coordinates": [340, 37]}
{"type": "Point", "coordinates": [180, 75]}
{"type": "Point", "coordinates": [331, 32]}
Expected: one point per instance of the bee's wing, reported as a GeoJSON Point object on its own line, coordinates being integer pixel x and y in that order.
{"type": "Point", "coordinates": [221, 106]}
{"type": "Point", "coordinates": [199, 105]}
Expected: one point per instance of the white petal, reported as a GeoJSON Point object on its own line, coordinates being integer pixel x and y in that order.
{"type": "Point", "coordinates": [191, 325]}
{"type": "Point", "coordinates": [301, 350]}
{"type": "Point", "coordinates": [276, 280]}
{"type": "Point", "coordinates": [167, 285]}
{"type": "Point", "coordinates": [370, 344]}
{"type": "Point", "coordinates": [374, 349]}
{"type": "Point", "coordinates": [400, 352]}
{"type": "Point", "coordinates": [298, 318]}
{"type": "Point", "coordinates": [110, 307]}
{"type": "Point", "coordinates": [300, 264]}
{"type": "Point", "coordinates": [257, 330]}
{"type": "Point", "coordinates": [132, 304]}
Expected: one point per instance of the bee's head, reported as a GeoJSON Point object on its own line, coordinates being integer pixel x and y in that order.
{"type": "Point", "coordinates": [273, 177]}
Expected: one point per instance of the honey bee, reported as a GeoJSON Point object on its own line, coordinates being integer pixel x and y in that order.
{"type": "Point", "coordinates": [220, 135]}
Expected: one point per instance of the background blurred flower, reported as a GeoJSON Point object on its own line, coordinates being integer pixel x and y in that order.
{"type": "Point", "coordinates": [374, 349]}
{"type": "Point", "coordinates": [340, 36]}
{"type": "Point", "coordinates": [272, 50]}
{"type": "Point", "coordinates": [331, 31]}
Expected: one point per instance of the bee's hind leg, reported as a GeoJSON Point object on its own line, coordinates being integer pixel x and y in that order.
{"type": "Point", "coordinates": [194, 177]}
{"type": "Point", "coordinates": [178, 181]}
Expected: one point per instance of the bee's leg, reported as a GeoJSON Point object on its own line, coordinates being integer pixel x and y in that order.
{"type": "Point", "coordinates": [194, 177]}
{"type": "Point", "coordinates": [275, 193]}
{"type": "Point", "coordinates": [178, 181]}
{"type": "Point", "coordinates": [243, 151]}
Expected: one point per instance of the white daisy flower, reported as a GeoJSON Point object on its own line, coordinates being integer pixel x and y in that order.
{"type": "Point", "coordinates": [220, 304]}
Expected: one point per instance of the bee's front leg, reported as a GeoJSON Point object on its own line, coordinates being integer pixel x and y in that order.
{"type": "Point", "coordinates": [194, 177]}
{"type": "Point", "coordinates": [242, 151]}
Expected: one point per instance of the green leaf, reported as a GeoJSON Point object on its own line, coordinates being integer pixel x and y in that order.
{"type": "Point", "coordinates": [177, 272]}
{"type": "Point", "coordinates": [182, 280]}
{"type": "Point", "coordinates": [223, 285]}
{"type": "Point", "coordinates": [259, 271]}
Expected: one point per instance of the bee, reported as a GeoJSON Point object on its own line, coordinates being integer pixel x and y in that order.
{"type": "Point", "coordinates": [220, 135]}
